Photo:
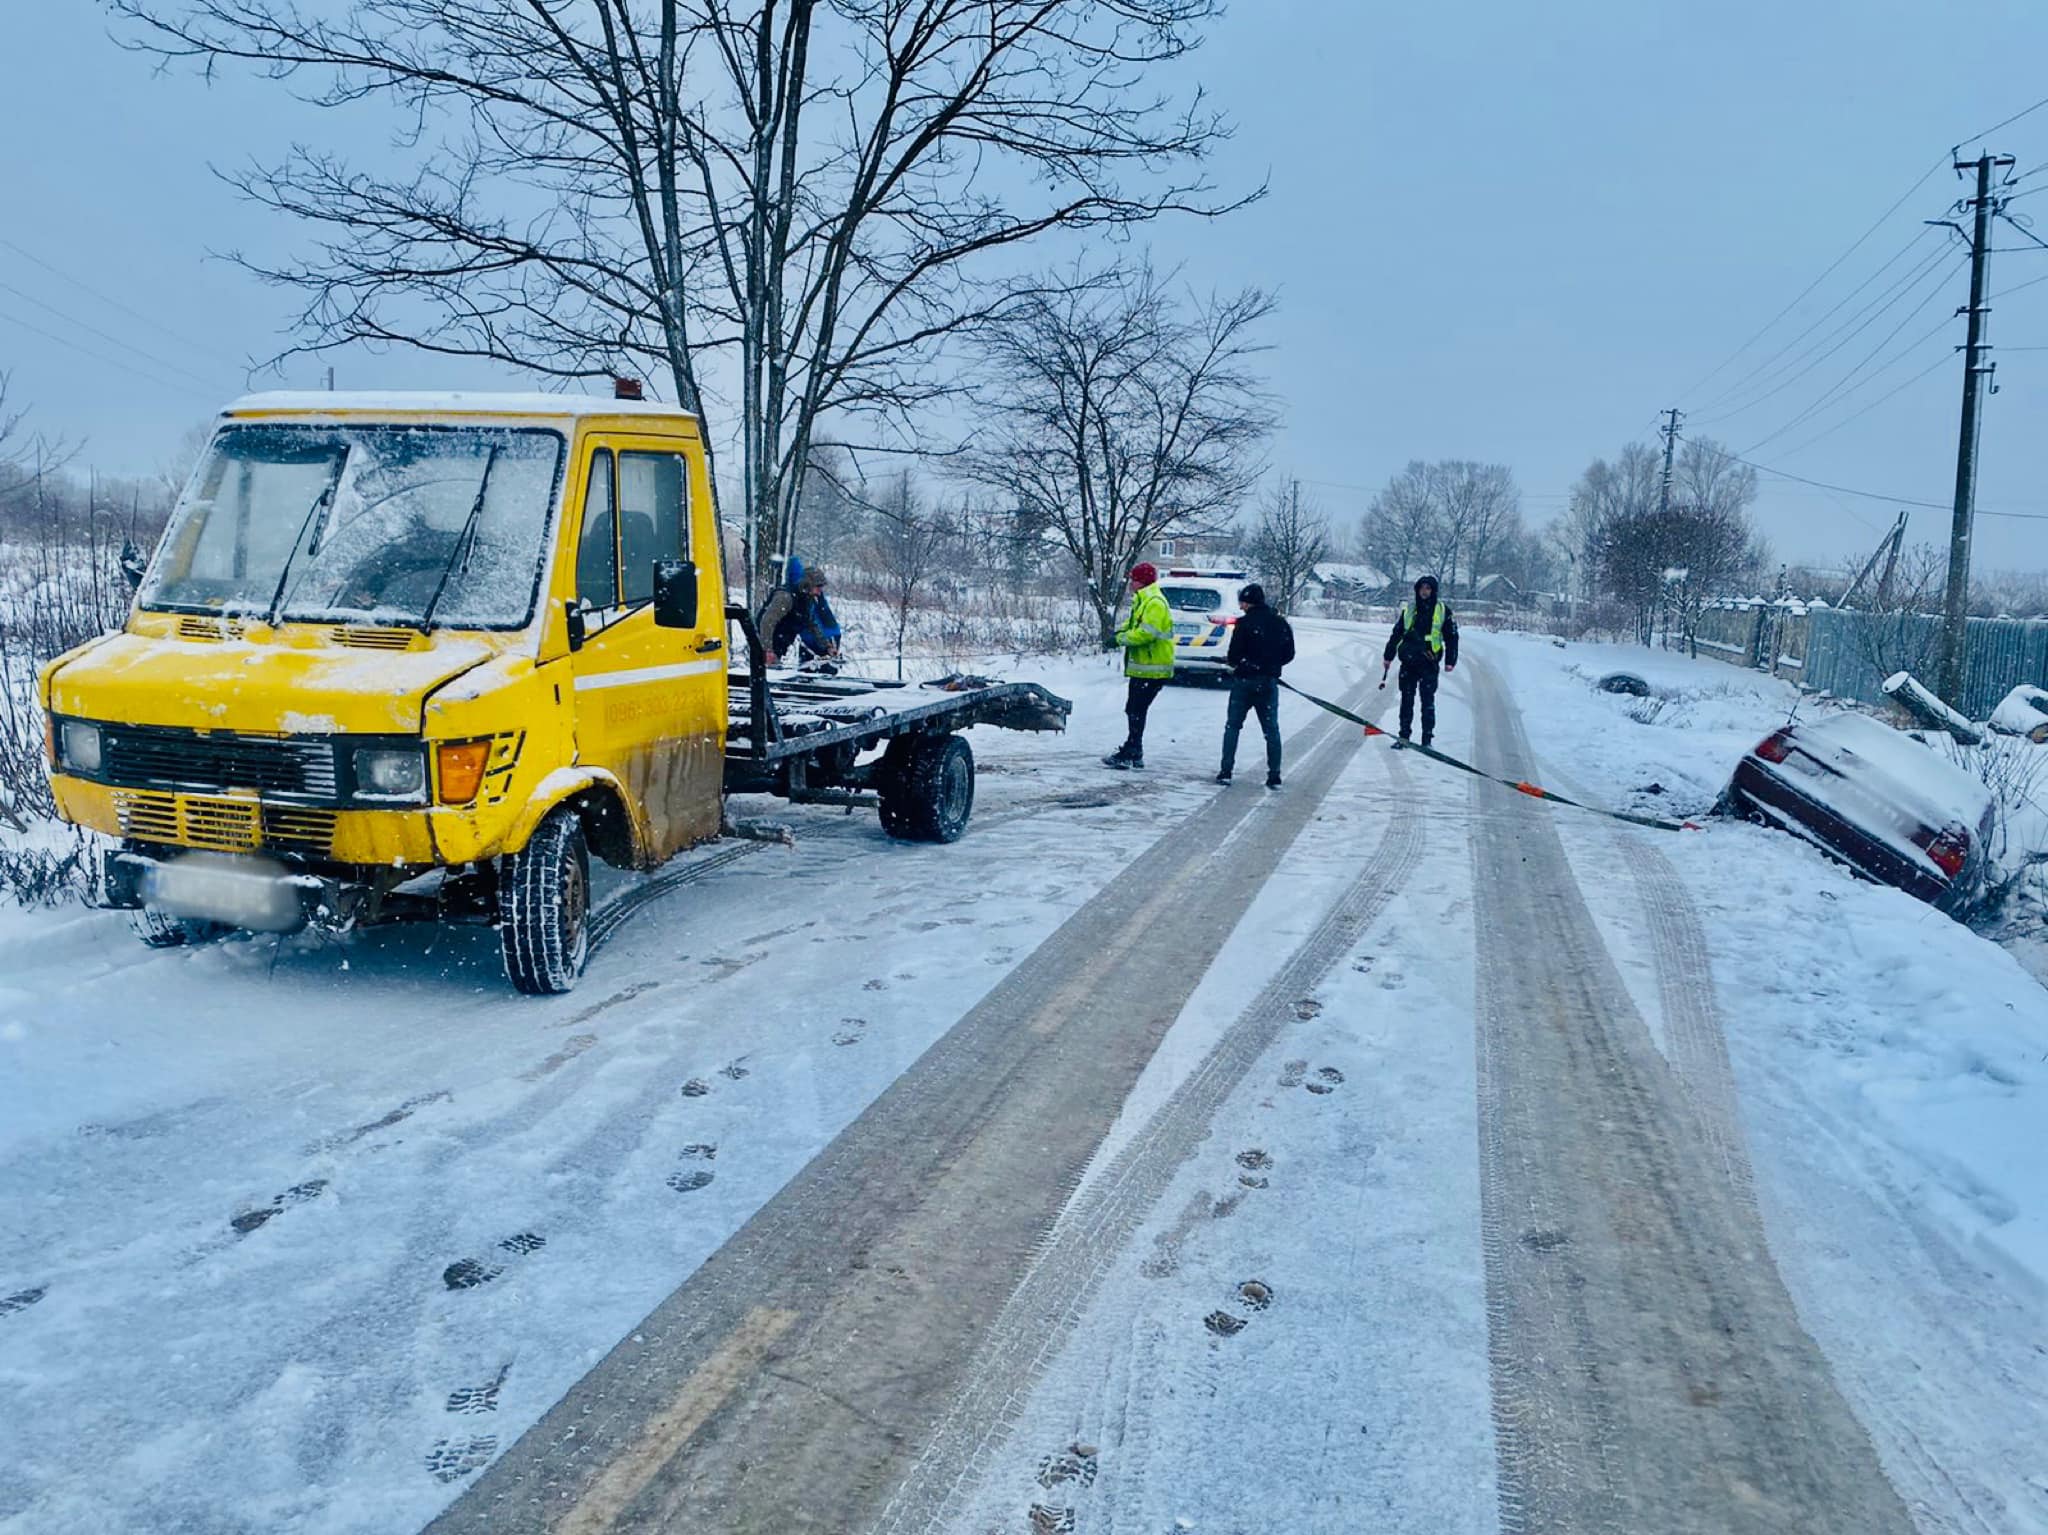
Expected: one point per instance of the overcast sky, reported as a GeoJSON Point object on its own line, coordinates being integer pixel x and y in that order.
{"type": "Point", "coordinates": [1507, 231]}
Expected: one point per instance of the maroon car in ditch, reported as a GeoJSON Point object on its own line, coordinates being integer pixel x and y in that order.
{"type": "Point", "coordinates": [1893, 810]}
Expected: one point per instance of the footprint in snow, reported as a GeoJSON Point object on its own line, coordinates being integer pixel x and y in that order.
{"type": "Point", "coordinates": [696, 1087]}
{"type": "Point", "coordinates": [21, 1300]}
{"type": "Point", "coordinates": [1291, 1073]}
{"type": "Point", "coordinates": [1051, 1521]}
{"type": "Point", "coordinates": [1223, 1324]}
{"type": "Point", "coordinates": [1393, 980]}
{"type": "Point", "coordinates": [699, 1151]}
{"type": "Point", "coordinates": [850, 1031]}
{"type": "Point", "coordinates": [1327, 1078]}
{"type": "Point", "coordinates": [450, 1460]}
{"type": "Point", "coordinates": [735, 1072]}
{"type": "Point", "coordinates": [875, 986]}
{"type": "Point", "coordinates": [297, 1194]}
{"type": "Point", "coordinates": [1254, 1160]}
{"type": "Point", "coordinates": [1076, 1464]}
{"type": "Point", "coordinates": [470, 1400]}
{"type": "Point", "coordinates": [468, 1273]}
{"type": "Point", "coordinates": [1307, 1008]}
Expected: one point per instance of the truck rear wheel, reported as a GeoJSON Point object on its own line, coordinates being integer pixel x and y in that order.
{"type": "Point", "coordinates": [927, 788]}
{"type": "Point", "coordinates": [544, 906]}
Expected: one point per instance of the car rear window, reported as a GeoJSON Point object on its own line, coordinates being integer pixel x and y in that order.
{"type": "Point", "coordinates": [1192, 599]}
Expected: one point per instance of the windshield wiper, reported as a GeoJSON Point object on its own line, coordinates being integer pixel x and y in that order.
{"type": "Point", "coordinates": [465, 541]}
{"type": "Point", "coordinates": [320, 504]}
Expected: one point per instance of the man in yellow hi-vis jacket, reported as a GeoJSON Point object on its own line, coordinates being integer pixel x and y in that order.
{"type": "Point", "coordinates": [1425, 636]}
{"type": "Point", "coordinates": [1147, 639]}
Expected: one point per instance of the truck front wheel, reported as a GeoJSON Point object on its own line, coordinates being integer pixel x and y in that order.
{"type": "Point", "coordinates": [927, 788]}
{"type": "Point", "coordinates": [544, 906]}
{"type": "Point", "coordinates": [161, 930]}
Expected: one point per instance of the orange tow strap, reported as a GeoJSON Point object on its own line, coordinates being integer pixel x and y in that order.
{"type": "Point", "coordinates": [1520, 786]}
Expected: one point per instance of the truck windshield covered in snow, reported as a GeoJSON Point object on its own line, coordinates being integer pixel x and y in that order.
{"type": "Point", "coordinates": [394, 524]}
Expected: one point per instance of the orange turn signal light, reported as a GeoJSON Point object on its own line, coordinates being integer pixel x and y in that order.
{"type": "Point", "coordinates": [459, 770]}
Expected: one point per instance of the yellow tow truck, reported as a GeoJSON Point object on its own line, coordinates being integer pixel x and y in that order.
{"type": "Point", "coordinates": [418, 656]}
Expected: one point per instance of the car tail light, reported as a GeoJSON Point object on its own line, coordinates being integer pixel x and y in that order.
{"type": "Point", "coordinates": [1775, 748]}
{"type": "Point", "coordinates": [1950, 851]}
{"type": "Point", "coordinates": [1227, 620]}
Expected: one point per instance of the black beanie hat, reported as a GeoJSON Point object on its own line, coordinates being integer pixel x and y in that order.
{"type": "Point", "coordinates": [1255, 594]}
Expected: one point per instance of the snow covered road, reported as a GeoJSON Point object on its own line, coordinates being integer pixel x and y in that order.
{"type": "Point", "coordinates": [1393, 1152]}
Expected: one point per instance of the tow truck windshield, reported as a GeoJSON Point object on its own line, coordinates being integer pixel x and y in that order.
{"type": "Point", "coordinates": [383, 524]}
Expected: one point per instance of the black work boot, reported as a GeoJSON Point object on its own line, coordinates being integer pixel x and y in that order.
{"type": "Point", "coordinates": [1224, 776]}
{"type": "Point", "coordinates": [1120, 759]}
{"type": "Point", "coordinates": [1272, 780]}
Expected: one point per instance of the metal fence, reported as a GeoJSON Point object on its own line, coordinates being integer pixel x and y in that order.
{"type": "Point", "coordinates": [1849, 654]}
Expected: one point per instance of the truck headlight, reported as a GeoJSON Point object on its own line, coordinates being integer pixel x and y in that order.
{"type": "Point", "coordinates": [384, 772]}
{"type": "Point", "coordinates": [79, 745]}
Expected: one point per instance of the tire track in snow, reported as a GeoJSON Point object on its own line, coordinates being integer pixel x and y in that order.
{"type": "Point", "coordinates": [1094, 1229]}
{"type": "Point", "coordinates": [896, 1247]}
{"type": "Point", "coordinates": [1649, 1371]}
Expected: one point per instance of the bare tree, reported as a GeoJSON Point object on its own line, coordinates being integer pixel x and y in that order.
{"type": "Point", "coordinates": [1475, 506]}
{"type": "Point", "coordinates": [798, 194]}
{"type": "Point", "coordinates": [904, 552]}
{"type": "Point", "coordinates": [1400, 524]}
{"type": "Point", "coordinates": [1447, 516]}
{"type": "Point", "coordinates": [1115, 411]}
{"type": "Point", "coordinates": [1290, 539]}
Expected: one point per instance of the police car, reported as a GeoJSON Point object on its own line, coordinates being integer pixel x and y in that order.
{"type": "Point", "coordinates": [1204, 608]}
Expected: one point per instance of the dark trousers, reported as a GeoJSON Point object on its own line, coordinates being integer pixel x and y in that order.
{"type": "Point", "coordinates": [1260, 695]}
{"type": "Point", "coordinates": [1137, 704]}
{"type": "Point", "coordinates": [1418, 677]}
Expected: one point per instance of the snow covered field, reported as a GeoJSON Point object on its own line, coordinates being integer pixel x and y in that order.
{"type": "Point", "coordinates": [299, 1236]}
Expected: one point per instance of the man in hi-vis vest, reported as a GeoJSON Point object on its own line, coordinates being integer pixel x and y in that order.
{"type": "Point", "coordinates": [1424, 635]}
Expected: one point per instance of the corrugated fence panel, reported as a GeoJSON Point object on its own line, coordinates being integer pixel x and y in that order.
{"type": "Point", "coordinates": [1840, 656]}
{"type": "Point", "coordinates": [1728, 634]}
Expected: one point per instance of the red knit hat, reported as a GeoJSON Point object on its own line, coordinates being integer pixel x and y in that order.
{"type": "Point", "coordinates": [1144, 572]}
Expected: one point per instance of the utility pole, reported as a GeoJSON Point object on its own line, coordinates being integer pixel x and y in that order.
{"type": "Point", "coordinates": [330, 378]}
{"type": "Point", "coordinates": [1955, 612]}
{"type": "Point", "coordinates": [1669, 432]}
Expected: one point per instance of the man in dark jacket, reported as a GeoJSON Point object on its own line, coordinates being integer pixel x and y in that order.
{"type": "Point", "coordinates": [1424, 635]}
{"type": "Point", "coordinates": [1261, 644]}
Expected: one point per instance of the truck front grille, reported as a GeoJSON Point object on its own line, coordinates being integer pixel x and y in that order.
{"type": "Point", "coordinates": [190, 760]}
{"type": "Point", "coordinates": [223, 825]}
{"type": "Point", "coordinates": [186, 820]}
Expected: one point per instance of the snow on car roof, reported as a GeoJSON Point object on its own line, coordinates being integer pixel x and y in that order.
{"type": "Point", "coordinates": [1929, 785]}
{"type": "Point", "coordinates": [450, 402]}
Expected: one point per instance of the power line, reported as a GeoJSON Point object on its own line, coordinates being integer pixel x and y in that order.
{"type": "Point", "coordinates": [92, 351]}
{"type": "Point", "coordinates": [126, 346]}
{"type": "Point", "coordinates": [1848, 331]}
{"type": "Point", "coordinates": [1826, 272]}
{"type": "Point", "coordinates": [2007, 122]}
{"type": "Point", "coordinates": [1871, 406]}
{"type": "Point", "coordinates": [1845, 382]}
{"type": "Point", "coordinates": [1761, 369]}
{"type": "Point", "coordinates": [108, 299]}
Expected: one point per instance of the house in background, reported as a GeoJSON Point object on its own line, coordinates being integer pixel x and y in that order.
{"type": "Point", "coordinates": [1221, 549]}
{"type": "Point", "coordinates": [1497, 591]}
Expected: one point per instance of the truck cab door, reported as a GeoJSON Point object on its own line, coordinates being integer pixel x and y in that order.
{"type": "Point", "coordinates": [650, 701]}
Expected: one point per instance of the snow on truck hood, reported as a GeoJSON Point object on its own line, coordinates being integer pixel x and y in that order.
{"type": "Point", "coordinates": [256, 686]}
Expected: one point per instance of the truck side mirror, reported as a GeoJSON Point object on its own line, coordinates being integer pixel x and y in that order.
{"type": "Point", "coordinates": [572, 617]}
{"type": "Point", "coordinates": [675, 594]}
{"type": "Point", "coordinates": [134, 564]}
